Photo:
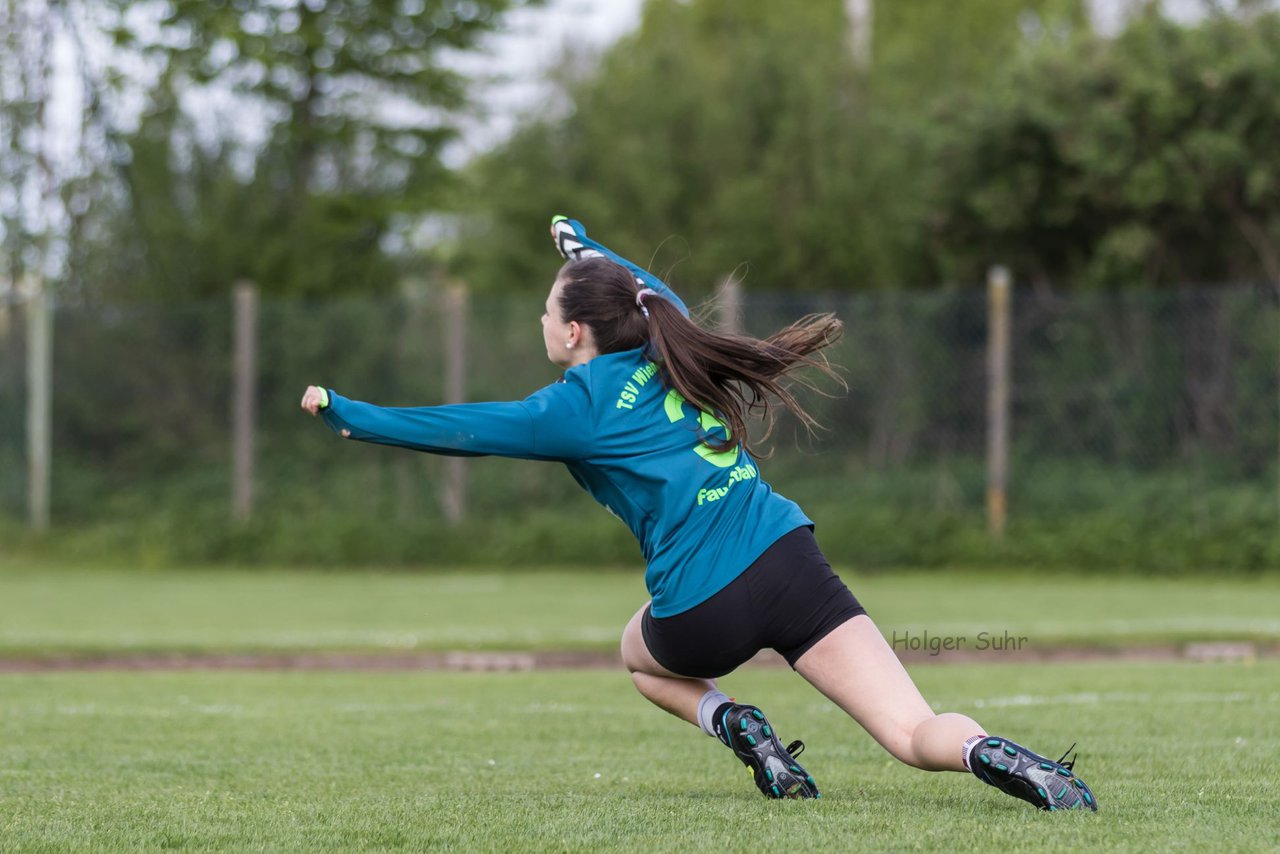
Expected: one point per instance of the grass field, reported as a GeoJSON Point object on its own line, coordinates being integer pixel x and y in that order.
{"type": "Point", "coordinates": [1182, 757]}
{"type": "Point", "coordinates": [67, 611]}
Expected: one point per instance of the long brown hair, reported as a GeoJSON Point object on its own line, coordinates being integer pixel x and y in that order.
{"type": "Point", "coordinates": [732, 376]}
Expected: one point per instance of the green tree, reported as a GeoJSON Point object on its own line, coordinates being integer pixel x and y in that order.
{"type": "Point", "coordinates": [1148, 159]}
{"type": "Point", "coordinates": [355, 101]}
{"type": "Point", "coordinates": [709, 125]}
{"type": "Point", "coordinates": [49, 176]}
{"type": "Point", "coordinates": [745, 131]}
{"type": "Point", "coordinates": [928, 49]}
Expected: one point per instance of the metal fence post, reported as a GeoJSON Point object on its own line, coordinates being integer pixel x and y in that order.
{"type": "Point", "coordinates": [243, 397]}
{"type": "Point", "coordinates": [998, 372]}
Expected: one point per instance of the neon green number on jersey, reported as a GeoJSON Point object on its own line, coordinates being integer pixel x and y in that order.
{"type": "Point", "coordinates": [720, 459]}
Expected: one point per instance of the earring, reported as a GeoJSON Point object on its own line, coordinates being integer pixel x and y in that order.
{"type": "Point", "coordinates": [569, 344]}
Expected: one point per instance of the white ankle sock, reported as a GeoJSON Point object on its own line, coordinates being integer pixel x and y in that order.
{"type": "Point", "coordinates": [968, 747]}
{"type": "Point", "coordinates": [707, 706]}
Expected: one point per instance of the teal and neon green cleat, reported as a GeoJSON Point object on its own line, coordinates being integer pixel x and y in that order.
{"type": "Point", "coordinates": [774, 768]}
{"type": "Point", "coordinates": [568, 234]}
{"type": "Point", "coordinates": [1016, 771]}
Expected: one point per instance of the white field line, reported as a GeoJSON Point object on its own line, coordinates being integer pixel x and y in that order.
{"type": "Point", "coordinates": [183, 707]}
{"type": "Point", "coordinates": [1087, 626]}
{"type": "Point", "coordinates": [443, 637]}
{"type": "Point", "coordinates": [402, 639]}
{"type": "Point", "coordinates": [420, 636]}
{"type": "Point", "coordinates": [1089, 698]}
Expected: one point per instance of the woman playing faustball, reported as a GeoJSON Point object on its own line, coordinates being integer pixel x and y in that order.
{"type": "Point", "coordinates": [650, 417]}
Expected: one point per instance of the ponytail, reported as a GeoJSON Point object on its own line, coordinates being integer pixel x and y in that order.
{"type": "Point", "coordinates": [732, 376]}
{"type": "Point", "coordinates": [738, 376]}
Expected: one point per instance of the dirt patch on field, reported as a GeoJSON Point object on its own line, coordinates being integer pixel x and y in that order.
{"type": "Point", "coordinates": [568, 659]}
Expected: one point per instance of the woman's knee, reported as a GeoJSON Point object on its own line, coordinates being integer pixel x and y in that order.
{"type": "Point", "coordinates": [634, 652]}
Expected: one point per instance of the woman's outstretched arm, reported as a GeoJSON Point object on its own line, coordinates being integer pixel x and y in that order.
{"type": "Point", "coordinates": [540, 427]}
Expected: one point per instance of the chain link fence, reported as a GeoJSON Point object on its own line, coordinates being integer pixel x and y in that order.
{"type": "Point", "coordinates": [1145, 431]}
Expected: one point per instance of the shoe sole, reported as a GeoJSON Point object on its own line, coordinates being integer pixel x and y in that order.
{"type": "Point", "coordinates": [775, 771]}
{"type": "Point", "coordinates": [1017, 771]}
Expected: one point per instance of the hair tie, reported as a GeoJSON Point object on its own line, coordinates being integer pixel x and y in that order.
{"type": "Point", "coordinates": [644, 292]}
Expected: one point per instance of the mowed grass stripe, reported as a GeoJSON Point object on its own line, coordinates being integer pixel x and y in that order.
{"type": "Point", "coordinates": [1182, 756]}
{"type": "Point", "coordinates": [54, 611]}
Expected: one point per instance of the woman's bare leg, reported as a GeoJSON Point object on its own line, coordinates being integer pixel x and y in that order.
{"type": "Point", "coordinates": [678, 695]}
{"type": "Point", "coordinates": [855, 668]}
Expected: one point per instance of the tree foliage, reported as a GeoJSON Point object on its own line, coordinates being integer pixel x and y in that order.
{"type": "Point", "coordinates": [356, 103]}
{"type": "Point", "coordinates": [745, 131]}
{"type": "Point", "coordinates": [1147, 159]}
{"type": "Point", "coordinates": [999, 132]}
{"type": "Point", "coordinates": [741, 136]}
{"type": "Point", "coordinates": [46, 179]}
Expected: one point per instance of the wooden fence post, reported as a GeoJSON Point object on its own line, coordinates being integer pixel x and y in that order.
{"type": "Point", "coordinates": [411, 470]}
{"type": "Point", "coordinates": [453, 495]}
{"type": "Point", "coordinates": [998, 374]}
{"type": "Point", "coordinates": [729, 302]}
{"type": "Point", "coordinates": [39, 319]}
{"type": "Point", "coordinates": [244, 300]}
{"type": "Point", "coordinates": [858, 15]}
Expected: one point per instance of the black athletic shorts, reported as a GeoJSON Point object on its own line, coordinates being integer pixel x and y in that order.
{"type": "Point", "coordinates": [788, 600]}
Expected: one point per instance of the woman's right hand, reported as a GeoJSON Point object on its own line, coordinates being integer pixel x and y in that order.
{"type": "Point", "coordinates": [314, 399]}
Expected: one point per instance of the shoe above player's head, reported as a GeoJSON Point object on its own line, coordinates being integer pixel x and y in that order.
{"type": "Point", "coordinates": [1017, 771]}
{"type": "Point", "coordinates": [568, 236]}
{"type": "Point", "coordinates": [776, 772]}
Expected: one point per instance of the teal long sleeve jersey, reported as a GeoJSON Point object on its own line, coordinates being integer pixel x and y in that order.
{"type": "Point", "coordinates": [701, 516]}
